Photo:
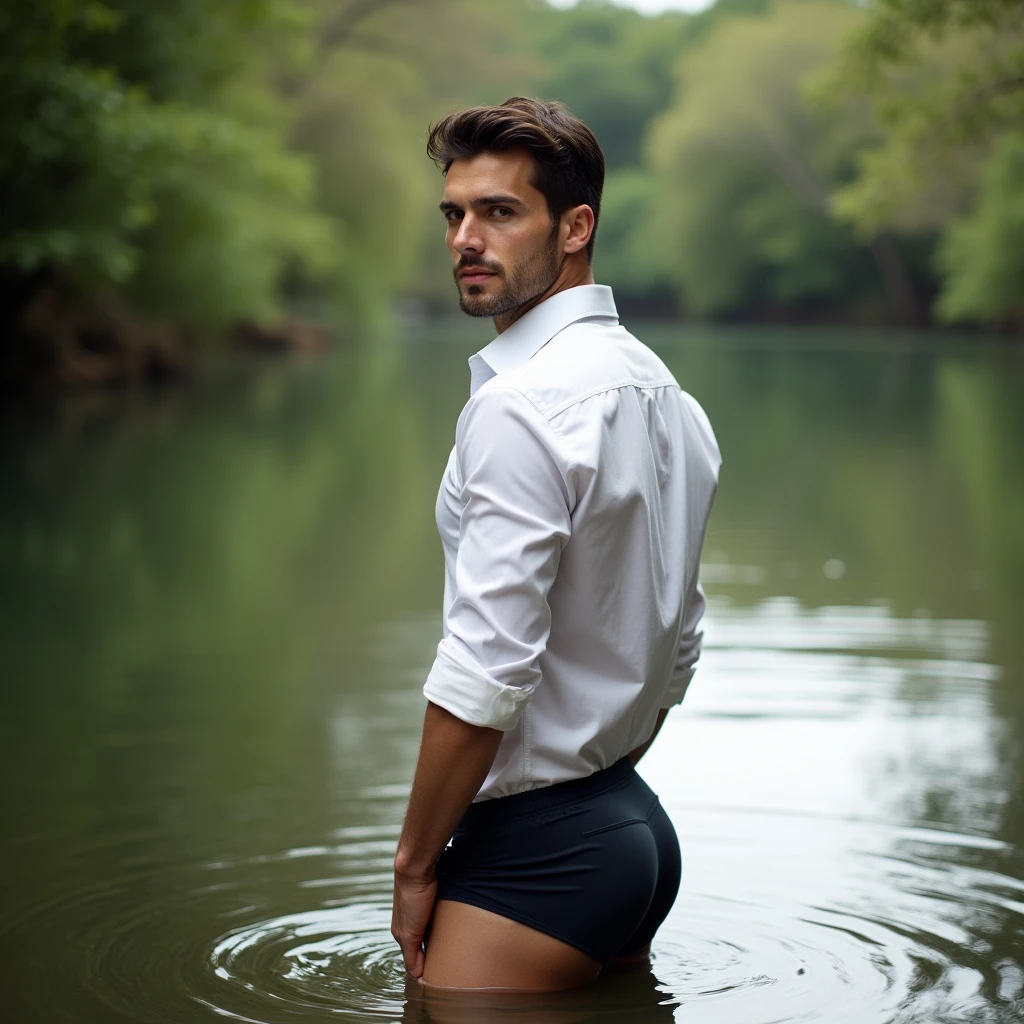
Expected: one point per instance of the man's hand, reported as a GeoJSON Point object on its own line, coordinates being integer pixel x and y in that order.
{"type": "Point", "coordinates": [410, 915]}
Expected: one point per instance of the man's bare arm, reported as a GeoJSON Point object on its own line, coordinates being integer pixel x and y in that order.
{"type": "Point", "coordinates": [453, 762]}
{"type": "Point", "coordinates": [635, 755]}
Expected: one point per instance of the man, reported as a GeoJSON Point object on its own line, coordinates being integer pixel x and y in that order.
{"type": "Point", "coordinates": [572, 513]}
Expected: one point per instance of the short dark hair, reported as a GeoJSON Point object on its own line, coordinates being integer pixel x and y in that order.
{"type": "Point", "coordinates": [568, 159]}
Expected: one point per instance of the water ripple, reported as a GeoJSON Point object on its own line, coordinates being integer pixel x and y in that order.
{"type": "Point", "coordinates": [339, 960]}
{"type": "Point", "coordinates": [840, 864]}
{"type": "Point", "coordinates": [874, 923]}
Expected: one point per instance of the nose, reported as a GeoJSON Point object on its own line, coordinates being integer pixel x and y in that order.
{"type": "Point", "coordinates": [467, 238]}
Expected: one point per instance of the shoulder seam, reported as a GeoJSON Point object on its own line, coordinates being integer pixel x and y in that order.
{"type": "Point", "coordinates": [614, 385]}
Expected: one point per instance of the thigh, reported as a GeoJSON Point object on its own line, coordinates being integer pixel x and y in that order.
{"type": "Point", "coordinates": [470, 947]}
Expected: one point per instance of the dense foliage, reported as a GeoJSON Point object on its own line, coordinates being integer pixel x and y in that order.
{"type": "Point", "coordinates": [746, 168]}
{"type": "Point", "coordinates": [945, 79]}
{"type": "Point", "coordinates": [218, 162]}
{"type": "Point", "coordinates": [143, 145]}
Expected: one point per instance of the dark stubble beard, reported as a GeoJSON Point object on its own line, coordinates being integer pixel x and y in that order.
{"type": "Point", "coordinates": [528, 279]}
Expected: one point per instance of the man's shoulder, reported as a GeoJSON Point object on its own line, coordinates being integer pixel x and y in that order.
{"type": "Point", "coordinates": [583, 360]}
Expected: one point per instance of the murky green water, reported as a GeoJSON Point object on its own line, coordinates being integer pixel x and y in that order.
{"type": "Point", "coordinates": [219, 603]}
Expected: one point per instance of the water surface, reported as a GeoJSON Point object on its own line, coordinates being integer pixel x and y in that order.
{"type": "Point", "coordinates": [218, 605]}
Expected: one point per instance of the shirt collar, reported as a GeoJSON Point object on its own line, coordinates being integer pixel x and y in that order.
{"type": "Point", "coordinates": [533, 330]}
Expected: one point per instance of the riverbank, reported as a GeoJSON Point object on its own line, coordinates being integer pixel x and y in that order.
{"type": "Point", "coordinates": [61, 339]}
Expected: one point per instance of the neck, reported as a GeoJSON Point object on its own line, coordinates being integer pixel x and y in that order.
{"type": "Point", "coordinates": [572, 273]}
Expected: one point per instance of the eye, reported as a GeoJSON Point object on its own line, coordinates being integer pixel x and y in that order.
{"type": "Point", "coordinates": [502, 212]}
{"type": "Point", "coordinates": [452, 215]}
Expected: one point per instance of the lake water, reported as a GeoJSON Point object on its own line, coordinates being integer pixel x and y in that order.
{"type": "Point", "coordinates": [218, 604]}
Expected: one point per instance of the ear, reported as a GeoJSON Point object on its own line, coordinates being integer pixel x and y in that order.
{"type": "Point", "coordinates": [578, 223]}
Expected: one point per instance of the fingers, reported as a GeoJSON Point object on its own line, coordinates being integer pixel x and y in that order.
{"type": "Point", "coordinates": [413, 955]}
{"type": "Point", "coordinates": [410, 920]}
{"type": "Point", "coordinates": [410, 941]}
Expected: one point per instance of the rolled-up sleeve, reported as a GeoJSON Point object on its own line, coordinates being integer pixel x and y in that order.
{"type": "Point", "coordinates": [690, 639]}
{"type": "Point", "coordinates": [517, 505]}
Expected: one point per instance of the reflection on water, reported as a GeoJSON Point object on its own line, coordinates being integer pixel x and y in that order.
{"type": "Point", "coordinates": [217, 607]}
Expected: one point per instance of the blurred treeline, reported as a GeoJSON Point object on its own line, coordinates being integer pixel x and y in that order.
{"type": "Point", "coordinates": [170, 171]}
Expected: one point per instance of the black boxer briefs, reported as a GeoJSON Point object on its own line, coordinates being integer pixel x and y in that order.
{"type": "Point", "coordinates": [593, 861]}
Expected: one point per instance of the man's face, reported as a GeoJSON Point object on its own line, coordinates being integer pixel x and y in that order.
{"type": "Point", "coordinates": [504, 248]}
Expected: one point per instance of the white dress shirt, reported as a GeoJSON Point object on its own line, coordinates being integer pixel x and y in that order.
{"type": "Point", "coordinates": [572, 513]}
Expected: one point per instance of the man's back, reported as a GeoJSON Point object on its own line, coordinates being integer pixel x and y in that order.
{"type": "Point", "coordinates": [589, 440]}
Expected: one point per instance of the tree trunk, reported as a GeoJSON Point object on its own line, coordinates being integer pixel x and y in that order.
{"type": "Point", "coordinates": [902, 300]}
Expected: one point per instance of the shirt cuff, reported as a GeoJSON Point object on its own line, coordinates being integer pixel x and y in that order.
{"type": "Point", "coordinates": [676, 689]}
{"type": "Point", "coordinates": [461, 686]}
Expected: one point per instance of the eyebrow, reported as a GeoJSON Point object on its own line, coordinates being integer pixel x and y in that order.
{"type": "Point", "coordinates": [495, 200]}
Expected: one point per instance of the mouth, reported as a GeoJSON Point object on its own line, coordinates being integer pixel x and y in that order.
{"type": "Point", "coordinates": [475, 275]}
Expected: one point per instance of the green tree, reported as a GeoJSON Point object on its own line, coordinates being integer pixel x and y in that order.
{"type": "Point", "coordinates": [945, 79]}
{"type": "Point", "coordinates": [629, 255]}
{"type": "Point", "coordinates": [140, 146]}
{"type": "Point", "coordinates": [982, 253]}
{"type": "Point", "coordinates": [746, 169]}
{"type": "Point", "coordinates": [363, 105]}
{"type": "Point", "coordinates": [212, 162]}
{"type": "Point", "coordinates": [612, 66]}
